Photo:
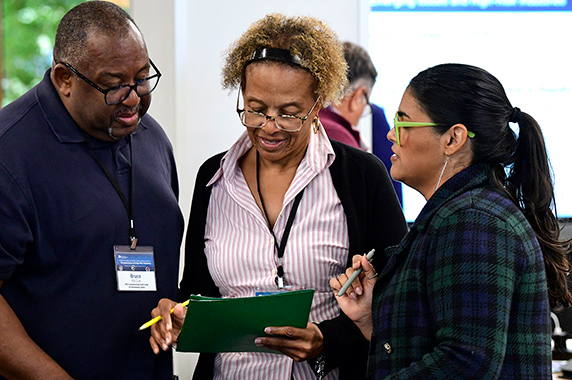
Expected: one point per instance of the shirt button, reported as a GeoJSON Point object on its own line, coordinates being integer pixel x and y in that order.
{"type": "Point", "coordinates": [388, 348]}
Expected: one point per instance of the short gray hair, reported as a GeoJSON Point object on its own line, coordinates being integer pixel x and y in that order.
{"type": "Point", "coordinates": [361, 71]}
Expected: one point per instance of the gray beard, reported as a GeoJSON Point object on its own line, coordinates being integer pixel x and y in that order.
{"type": "Point", "coordinates": [109, 131]}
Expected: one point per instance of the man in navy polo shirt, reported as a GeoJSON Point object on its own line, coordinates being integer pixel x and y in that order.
{"type": "Point", "coordinates": [90, 226]}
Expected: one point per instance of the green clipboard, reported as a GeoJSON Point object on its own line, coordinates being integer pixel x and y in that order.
{"type": "Point", "coordinates": [232, 324]}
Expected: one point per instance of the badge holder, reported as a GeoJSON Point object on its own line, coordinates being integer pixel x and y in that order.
{"type": "Point", "coordinates": [135, 268]}
{"type": "Point", "coordinates": [269, 290]}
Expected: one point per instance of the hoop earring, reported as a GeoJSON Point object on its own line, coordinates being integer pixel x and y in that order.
{"type": "Point", "coordinates": [316, 124]}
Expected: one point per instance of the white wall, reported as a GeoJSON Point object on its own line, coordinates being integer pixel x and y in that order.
{"type": "Point", "coordinates": [186, 39]}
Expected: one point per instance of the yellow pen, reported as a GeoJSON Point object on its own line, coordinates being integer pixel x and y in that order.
{"type": "Point", "coordinates": [157, 319]}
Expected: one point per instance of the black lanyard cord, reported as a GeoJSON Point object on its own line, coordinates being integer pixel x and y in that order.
{"type": "Point", "coordinates": [280, 248]}
{"type": "Point", "coordinates": [128, 205]}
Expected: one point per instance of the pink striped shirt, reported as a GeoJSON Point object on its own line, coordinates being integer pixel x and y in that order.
{"type": "Point", "coordinates": [242, 258]}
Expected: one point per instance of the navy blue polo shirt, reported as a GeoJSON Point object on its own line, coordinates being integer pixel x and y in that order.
{"type": "Point", "coordinates": [59, 220]}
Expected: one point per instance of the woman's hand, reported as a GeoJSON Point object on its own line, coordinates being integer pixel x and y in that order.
{"type": "Point", "coordinates": [166, 331]}
{"type": "Point", "coordinates": [356, 302]}
{"type": "Point", "coordinates": [299, 344]}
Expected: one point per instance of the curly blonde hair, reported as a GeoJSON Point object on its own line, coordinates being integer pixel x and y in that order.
{"type": "Point", "coordinates": [314, 42]}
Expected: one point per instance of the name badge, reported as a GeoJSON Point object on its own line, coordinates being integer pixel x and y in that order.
{"type": "Point", "coordinates": [269, 290]}
{"type": "Point", "coordinates": [135, 268]}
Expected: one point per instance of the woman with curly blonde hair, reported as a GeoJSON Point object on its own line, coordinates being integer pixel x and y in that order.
{"type": "Point", "coordinates": [284, 207]}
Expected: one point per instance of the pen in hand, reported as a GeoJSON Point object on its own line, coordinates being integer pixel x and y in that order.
{"type": "Point", "coordinates": [354, 275]}
{"type": "Point", "coordinates": [158, 318]}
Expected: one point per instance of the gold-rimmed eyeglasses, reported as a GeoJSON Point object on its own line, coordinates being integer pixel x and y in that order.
{"type": "Point", "coordinates": [288, 123]}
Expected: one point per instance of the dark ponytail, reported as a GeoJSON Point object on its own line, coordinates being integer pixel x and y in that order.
{"type": "Point", "coordinates": [455, 93]}
{"type": "Point", "coordinates": [530, 185]}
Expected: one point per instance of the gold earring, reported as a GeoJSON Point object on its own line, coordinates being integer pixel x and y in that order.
{"type": "Point", "coordinates": [316, 124]}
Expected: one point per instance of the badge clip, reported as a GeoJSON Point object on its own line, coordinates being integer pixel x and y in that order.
{"type": "Point", "coordinates": [133, 242]}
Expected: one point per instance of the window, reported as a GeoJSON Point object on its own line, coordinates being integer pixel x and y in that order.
{"type": "Point", "coordinates": [27, 31]}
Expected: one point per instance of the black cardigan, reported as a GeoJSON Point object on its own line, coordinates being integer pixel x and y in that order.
{"type": "Point", "coordinates": [374, 219]}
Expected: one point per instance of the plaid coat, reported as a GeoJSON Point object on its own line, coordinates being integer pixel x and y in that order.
{"type": "Point", "coordinates": [464, 295]}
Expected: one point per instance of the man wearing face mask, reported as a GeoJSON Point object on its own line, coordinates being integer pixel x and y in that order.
{"type": "Point", "coordinates": [90, 223]}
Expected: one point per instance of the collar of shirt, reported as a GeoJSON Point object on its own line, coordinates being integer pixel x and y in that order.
{"type": "Point", "coordinates": [319, 156]}
{"type": "Point", "coordinates": [476, 175]}
{"type": "Point", "coordinates": [473, 176]}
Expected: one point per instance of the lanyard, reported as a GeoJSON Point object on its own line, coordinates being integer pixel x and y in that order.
{"type": "Point", "coordinates": [128, 205]}
{"type": "Point", "coordinates": [280, 248]}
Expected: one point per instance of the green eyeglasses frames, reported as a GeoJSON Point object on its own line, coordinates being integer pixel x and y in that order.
{"type": "Point", "coordinates": [409, 124]}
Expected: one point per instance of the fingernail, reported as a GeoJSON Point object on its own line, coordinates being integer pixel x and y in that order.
{"type": "Point", "coordinates": [359, 291]}
{"type": "Point", "coordinates": [168, 340]}
{"type": "Point", "coordinates": [353, 296]}
{"type": "Point", "coordinates": [165, 347]}
{"type": "Point", "coordinates": [268, 330]}
{"type": "Point", "coordinates": [258, 341]}
{"type": "Point", "coordinates": [168, 326]}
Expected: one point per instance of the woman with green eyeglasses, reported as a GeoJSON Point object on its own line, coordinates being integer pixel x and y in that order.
{"type": "Point", "coordinates": [284, 208]}
{"type": "Point", "coordinates": [467, 293]}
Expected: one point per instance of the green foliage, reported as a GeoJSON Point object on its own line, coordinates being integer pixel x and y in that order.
{"type": "Point", "coordinates": [28, 31]}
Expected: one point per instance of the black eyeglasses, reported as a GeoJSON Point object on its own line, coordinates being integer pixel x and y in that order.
{"type": "Point", "coordinates": [116, 95]}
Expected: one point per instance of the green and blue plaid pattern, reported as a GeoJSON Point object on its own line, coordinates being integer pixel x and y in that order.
{"type": "Point", "coordinates": [464, 295]}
